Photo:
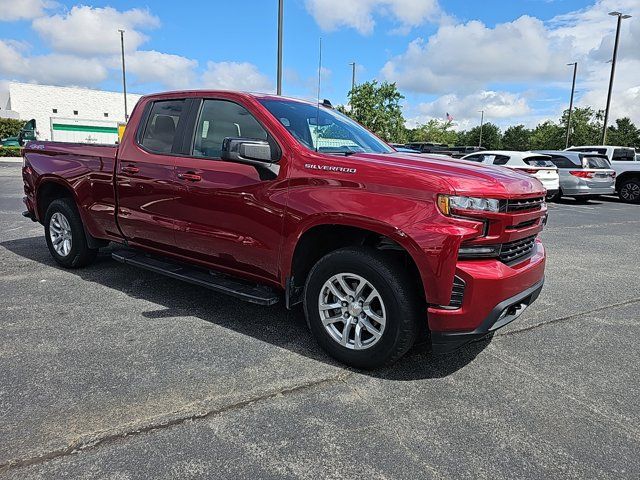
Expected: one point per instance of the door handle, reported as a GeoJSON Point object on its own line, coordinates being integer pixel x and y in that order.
{"type": "Point", "coordinates": [130, 169]}
{"type": "Point", "coordinates": [191, 176]}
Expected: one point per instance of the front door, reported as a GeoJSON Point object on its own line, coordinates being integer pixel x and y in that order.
{"type": "Point", "coordinates": [146, 185]}
{"type": "Point", "coordinates": [231, 214]}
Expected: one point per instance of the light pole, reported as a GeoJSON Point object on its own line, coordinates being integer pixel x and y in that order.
{"type": "Point", "coordinates": [481, 123]}
{"type": "Point", "coordinates": [613, 71]}
{"type": "Point", "coordinates": [353, 75]}
{"type": "Point", "coordinates": [124, 77]}
{"type": "Point", "coordinates": [573, 89]}
{"type": "Point", "coordinates": [280, 15]}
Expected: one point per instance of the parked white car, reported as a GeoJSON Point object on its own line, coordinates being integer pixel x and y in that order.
{"type": "Point", "coordinates": [624, 161]}
{"type": "Point", "coordinates": [532, 163]}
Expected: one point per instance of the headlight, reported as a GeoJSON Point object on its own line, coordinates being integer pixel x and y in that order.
{"type": "Point", "coordinates": [449, 204]}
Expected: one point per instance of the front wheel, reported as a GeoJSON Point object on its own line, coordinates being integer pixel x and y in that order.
{"type": "Point", "coordinates": [362, 307]}
{"type": "Point", "coordinates": [629, 191]}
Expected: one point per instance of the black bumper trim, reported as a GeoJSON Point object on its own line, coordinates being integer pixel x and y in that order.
{"type": "Point", "coordinates": [502, 314]}
{"type": "Point", "coordinates": [28, 214]}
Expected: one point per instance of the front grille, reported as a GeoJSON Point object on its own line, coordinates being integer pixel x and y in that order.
{"type": "Point", "coordinates": [518, 250]}
{"type": "Point", "coordinates": [524, 204]}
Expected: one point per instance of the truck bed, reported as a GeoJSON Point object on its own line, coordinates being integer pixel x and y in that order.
{"type": "Point", "coordinates": [85, 169]}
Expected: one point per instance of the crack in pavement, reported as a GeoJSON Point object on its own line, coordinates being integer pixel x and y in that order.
{"type": "Point", "coordinates": [108, 437]}
{"type": "Point", "coordinates": [568, 317]}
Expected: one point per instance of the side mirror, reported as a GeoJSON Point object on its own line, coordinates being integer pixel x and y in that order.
{"type": "Point", "coordinates": [257, 153]}
{"type": "Point", "coordinates": [246, 150]}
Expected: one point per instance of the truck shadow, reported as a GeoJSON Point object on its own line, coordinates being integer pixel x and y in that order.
{"type": "Point", "coordinates": [276, 325]}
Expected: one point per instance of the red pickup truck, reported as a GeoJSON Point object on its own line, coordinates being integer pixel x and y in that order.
{"type": "Point", "coordinates": [268, 198]}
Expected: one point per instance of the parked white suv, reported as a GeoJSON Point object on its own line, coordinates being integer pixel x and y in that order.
{"type": "Point", "coordinates": [529, 162]}
{"type": "Point", "coordinates": [624, 161]}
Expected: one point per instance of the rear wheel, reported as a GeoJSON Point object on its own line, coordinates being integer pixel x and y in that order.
{"type": "Point", "coordinates": [629, 190]}
{"type": "Point", "coordinates": [362, 307]}
{"type": "Point", "coordinates": [65, 235]}
{"type": "Point", "coordinates": [556, 197]}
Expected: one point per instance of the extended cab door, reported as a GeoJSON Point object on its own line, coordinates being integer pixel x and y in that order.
{"type": "Point", "coordinates": [146, 185]}
{"type": "Point", "coordinates": [230, 213]}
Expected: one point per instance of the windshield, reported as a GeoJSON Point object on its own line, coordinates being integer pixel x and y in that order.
{"type": "Point", "coordinates": [323, 129]}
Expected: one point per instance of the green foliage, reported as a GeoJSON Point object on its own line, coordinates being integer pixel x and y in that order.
{"type": "Point", "coordinates": [586, 126]}
{"type": "Point", "coordinates": [491, 136]}
{"type": "Point", "coordinates": [624, 133]}
{"type": "Point", "coordinates": [9, 151]}
{"type": "Point", "coordinates": [516, 137]}
{"type": "Point", "coordinates": [437, 131]}
{"type": "Point", "coordinates": [10, 127]}
{"type": "Point", "coordinates": [547, 136]}
{"type": "Point", "coordinates": [377, 107]}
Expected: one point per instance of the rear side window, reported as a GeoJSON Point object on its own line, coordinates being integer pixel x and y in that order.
{"type": "Point", "coordinates": [220, 119]}
{"type": "Point", "coordinates": [475, 158]}
{"type": "Point", "coordinates": [595, 162]}
{"type": "Point", "coordinates": [500, 160]}
{"type": "Point", "coordinates": [623, 154]}
{"type": "Point", "coordinates": [162, 123]}
{"type": "Point", "coordinates": [562, 162]}
{"type": "Point", "coordinates": [538, 162]}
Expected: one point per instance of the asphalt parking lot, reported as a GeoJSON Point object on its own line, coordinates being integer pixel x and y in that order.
{"type": "Point", "coordinates": [113, 372]}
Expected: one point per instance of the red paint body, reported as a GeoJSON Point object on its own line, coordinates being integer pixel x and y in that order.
{"type": "Point", "coordinates": [233, 221]}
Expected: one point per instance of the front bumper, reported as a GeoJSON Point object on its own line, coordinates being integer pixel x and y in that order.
{"type": "Point", "coordinates": [494, 295]}
{"type": "Point", "coordinates": [502, 314]}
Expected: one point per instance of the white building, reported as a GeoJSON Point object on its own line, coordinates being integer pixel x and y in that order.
{"type": "Point", "coordinates": [67, 113]}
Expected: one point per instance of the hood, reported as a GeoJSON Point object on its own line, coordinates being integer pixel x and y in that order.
{"type": "Point", "coordinates": [464, 177]}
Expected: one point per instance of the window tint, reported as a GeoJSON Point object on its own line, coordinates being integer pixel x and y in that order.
{"type": "Point", "coordinates": [538, 162]}
{"type": "Point", "coordinates": [602, 151]}
{"type": "Point", "coordinates": [475, 158]}
{"type": "Point", "coordinates": [595, 162]}
{"type": "Point", "coordinates": [562, 162]}
{"type": "Point", "coordinates": [220, 119]}
{"type": "Point", "coordinates": [623, 154]}
{"type": "Point", "coordinates": [500, 160]}
{"type": "Point", "coordinates": [162, 123]}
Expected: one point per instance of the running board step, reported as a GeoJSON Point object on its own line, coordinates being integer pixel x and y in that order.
{"type": "Point", "coordinates": [219, 282]}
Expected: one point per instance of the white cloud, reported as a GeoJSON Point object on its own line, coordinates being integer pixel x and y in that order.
{"type": "Point", "coordinates": [91, 31]}
{"type": "Point", "coordinates": [497, 106]}
{"type": "Point", "coordinates": [469, 56]}
{"type": "Point", "coordinates": [11, 10]}
{"type": "Point", "coordinates": [56, 69]}
{"type": "Point", "coordinates": [150, 66]}
{"type": "Point", "coordinates": [333, 14]}
{"type": "Point", "coordinates": [235, 76]}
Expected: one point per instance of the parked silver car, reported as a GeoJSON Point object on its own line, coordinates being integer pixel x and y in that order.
{"type": "Point", "coordinates": [582, 175]}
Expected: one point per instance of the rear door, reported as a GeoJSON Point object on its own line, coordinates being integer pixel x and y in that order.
{"type": "Point", "coordinates": [228, 217]}
{"type": "Point", "coordinates": [146, 186]}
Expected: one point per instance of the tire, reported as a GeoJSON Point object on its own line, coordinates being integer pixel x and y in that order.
{"type": "Point", "coordinates": [583, 198]}
{"type": "Point", "coordinates": [556, 197]}
{"type": "Point", "coordinates": [629, 190]}
{"type": "Point", "coordinates": [62, 220]}
{"type": "Point", "coordinates": [398, 303]}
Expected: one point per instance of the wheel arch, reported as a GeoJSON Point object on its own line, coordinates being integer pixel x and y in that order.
{"type": "Point", "coordinates": [316, 239]}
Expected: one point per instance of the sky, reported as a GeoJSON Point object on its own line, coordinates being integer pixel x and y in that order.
{"type": "Point", "coordinates": [505, 57]}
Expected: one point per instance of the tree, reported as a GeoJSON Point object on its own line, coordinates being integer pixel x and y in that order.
{"type": "Point", "coordinates": [437, 131]}
{"type": "Point", "coordinates": [377, 107]}
{"type": "Point", "coordinates": [624, 133]}
{"type": "Point", "coordinates": [491, 136]}
{"type": "Point", "coordinates": [586, 126]}
{"type": "Point", "coordinates": [516, 138]}
{"type": "Point", "coordinates": [547, 136]}
{"type": "Point", "coordinates": [10, 127]}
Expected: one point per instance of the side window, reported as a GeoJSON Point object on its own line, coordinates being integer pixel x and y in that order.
{"type": "Point", "coordinates": [500, 160]}
{"type": "Point", "coordinates": [220, 119]}
{"type": "Point", "coordinates": [623, 154]}
{"type": "Point", "coordinates": [160, 130]}
{"type": "Point", "coordinates": [475, 158]}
